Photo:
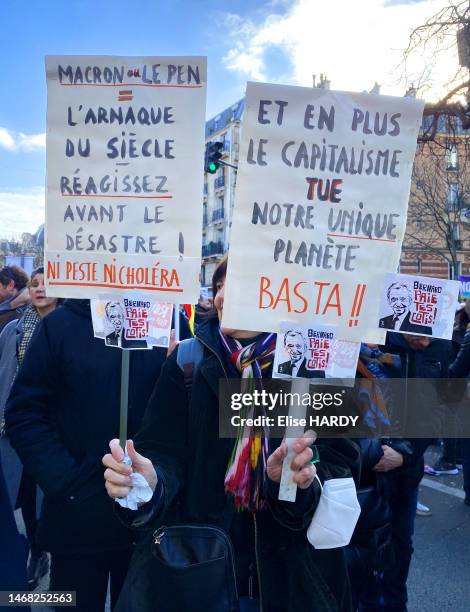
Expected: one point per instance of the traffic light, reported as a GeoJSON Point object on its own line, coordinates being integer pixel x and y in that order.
{"type": "Point", "coordinates": [212, 156]}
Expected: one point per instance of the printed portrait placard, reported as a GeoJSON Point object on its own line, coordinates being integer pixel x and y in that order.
{"type": "Point", "coordinates": [131, 322]}
{"type": "Point", "coordinates": [314, 352]}
{"type": "Point", "coordinates": [419, 305]}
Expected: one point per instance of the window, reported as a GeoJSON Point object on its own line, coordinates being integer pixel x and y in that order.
{"type": "Point", "coordinates": [455, 231]}
{"type": "Point", "coordinates": [451, 157]}
{"type": "Point", "coordinates": [452, 196]}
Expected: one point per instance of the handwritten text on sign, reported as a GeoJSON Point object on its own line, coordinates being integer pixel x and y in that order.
{"type": "Point", "coordinates": [321, 200]}
{"type": "Point", "coordinates": [121, 134]}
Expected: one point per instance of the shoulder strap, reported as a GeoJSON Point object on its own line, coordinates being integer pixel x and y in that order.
{"type": "Point", "coordinates": [190, 354]}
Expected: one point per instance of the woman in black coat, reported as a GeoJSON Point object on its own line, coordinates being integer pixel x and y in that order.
{"type": "Point", "coordinates": [63, 408]}
{"type": "Point", "coordinates": [182, 457]}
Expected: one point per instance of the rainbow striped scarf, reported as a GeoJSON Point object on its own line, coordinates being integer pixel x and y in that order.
{"type": "Point", "coordinates": [246, 473]}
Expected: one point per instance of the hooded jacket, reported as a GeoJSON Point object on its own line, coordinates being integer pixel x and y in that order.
{"type": "Point", "coordinates": [181, 437]}
{"type": "Point", "coordinates": [62, 412]}
{"type": "Point", "coordinates": [13, 307]}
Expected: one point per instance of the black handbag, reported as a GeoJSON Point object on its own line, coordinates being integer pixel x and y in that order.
{"type": "Point", "coordinates": [194, 570]}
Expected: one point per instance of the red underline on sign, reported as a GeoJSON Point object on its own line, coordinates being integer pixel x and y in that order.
{"type": "Point", "coordinates": [142, 287]}
{"type": "Point", "coordinates": [128, 85]}
{"type": "Point", "coordinates": [94, 195]}
{"type": "Point", "coordinates": [360, 237]}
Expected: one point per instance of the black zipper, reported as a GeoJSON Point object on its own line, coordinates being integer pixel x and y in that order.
{"type": "Point", "coordinates": [260, 591]}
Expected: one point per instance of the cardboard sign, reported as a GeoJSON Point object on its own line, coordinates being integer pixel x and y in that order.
{"type": "Point", "coordinates": [419, 305]}
{"type": "Point", "coordinates": [321, 203]}
{"type": "Point", "coordinates": [131, 322]}
{"type": "Point", "coordinates": [122, 134]}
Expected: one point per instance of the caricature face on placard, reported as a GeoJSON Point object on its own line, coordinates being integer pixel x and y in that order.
{"type": "Point", "coordinates": [418, 305]}
{"type": "Point", "coordinates": [303, 352]}
{"type": "Point", "coordinates": [133, 322]}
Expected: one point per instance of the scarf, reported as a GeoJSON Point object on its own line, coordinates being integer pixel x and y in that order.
{"type": "Point", "coordinates": [246, 477]}
{"type": "Point", "coordinates": [29, 321]}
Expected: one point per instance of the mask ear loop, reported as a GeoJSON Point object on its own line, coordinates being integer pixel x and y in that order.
{"type": "Point", "coordinates": [319, 482]}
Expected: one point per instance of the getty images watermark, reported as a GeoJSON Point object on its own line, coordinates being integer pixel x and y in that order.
{"type": "Point", "coordinates": [356, 408]}
{"type": "Point", "coordinates": [273, 402]}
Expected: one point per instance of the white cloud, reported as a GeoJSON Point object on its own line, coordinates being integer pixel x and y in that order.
{"type": "Point", "coordinates": [354, 44]}
{"type": "Point", "coordinates": [17, 141]}
{"type": "Point", "coordinates": [21, 211]}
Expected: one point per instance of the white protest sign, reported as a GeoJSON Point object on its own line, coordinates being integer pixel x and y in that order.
{"type": "Point", "coordinates": [131, 322]}
{"type": "Point", "coordinates": [321, 204]}
{"type": "Point", "coordinates": [303, 352]}
{"type": "Point", "coordinates": [315, 352]}
{"type": "Point", "coordinates": [419, 305]}
{"type": "Point", "coordinates": [125, 141]}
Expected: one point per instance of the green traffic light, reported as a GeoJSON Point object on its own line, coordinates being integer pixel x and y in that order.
{"type": "Point", "coordinates": [212, 167]}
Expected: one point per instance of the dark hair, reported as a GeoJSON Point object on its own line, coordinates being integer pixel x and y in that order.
{"type": "Point", "coordinates": [220, 273]}
{"type": "Point", "coordinates": [35, 272]}
{"type": "Point", "coordinates": [461, 320]}
{"type": "Point", "coordinates": [16, 274]}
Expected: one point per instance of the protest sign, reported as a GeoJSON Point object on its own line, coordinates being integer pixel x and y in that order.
{"type": "Point", "coordinates": [418, 305]}
{"type": "Point", "coordinates": [303, 352]}
{"type": "Point", "coordinates": [321, 204]}
{"type": "Point", "coordinates": [131, 322]}
{"type": "Point", "coordinates": [125, 141]}
{"type": "Point", "coordinates": [314, 352]}
{"type": "Point", "coordinates": [464, 287]}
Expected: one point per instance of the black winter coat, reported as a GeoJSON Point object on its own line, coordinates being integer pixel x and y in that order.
{"type": "Point", "coordinates": [182, 440]}
{"type": "Point", "coordinates": [460, 368]}
{"type": "Point", "coordinates": [433, 363]}
{"type": "Point", "coordinates": [62, 412]}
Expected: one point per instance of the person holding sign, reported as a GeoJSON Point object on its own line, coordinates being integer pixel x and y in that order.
{"type": "Point", "coordinates": [180, 454]}
{"type": "Point", "coordinates": [63, 408]}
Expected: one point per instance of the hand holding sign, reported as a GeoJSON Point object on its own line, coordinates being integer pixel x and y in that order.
{"type": "Point", "coordinates": [303, 472]}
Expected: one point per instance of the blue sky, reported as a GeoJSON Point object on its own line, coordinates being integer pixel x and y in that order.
{"type": "Point", "coordinates": [278, 40]}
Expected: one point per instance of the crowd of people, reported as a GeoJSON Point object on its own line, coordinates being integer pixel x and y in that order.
{"type": "Point", "coordinates": [213, 534]}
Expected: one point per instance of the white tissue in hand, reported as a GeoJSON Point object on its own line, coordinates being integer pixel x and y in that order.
{"type": "Point", "coordinates": [140, 492]}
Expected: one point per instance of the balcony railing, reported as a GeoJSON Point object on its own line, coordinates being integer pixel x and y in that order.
{"type": "Point", "coordinates": [213, 248]}
{"type": "Point", "coordinates": [218, 214]}
{"type": "Point", "coordinates": [219, 182]}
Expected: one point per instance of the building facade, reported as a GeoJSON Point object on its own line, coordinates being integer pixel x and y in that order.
{"type": "Point", "coordinates": [27, 252]}
{"type": "Point", "coordinates": [219, 190]}
{"type": "Point", "coordinates": [437, 239]}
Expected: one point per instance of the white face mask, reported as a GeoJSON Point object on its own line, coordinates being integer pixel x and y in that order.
{"type": "Point", "coordinates": [336, 515]}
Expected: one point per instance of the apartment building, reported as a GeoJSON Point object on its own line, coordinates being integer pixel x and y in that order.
{"type": "Point", "coordinates": [219, 189]}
